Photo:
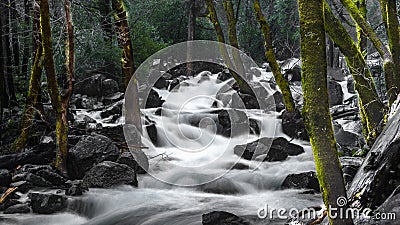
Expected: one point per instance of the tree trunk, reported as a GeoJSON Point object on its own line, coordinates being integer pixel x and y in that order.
{"type": "Point", "coordinates": [271, 59]}
{"type": "Point", "coordinates": [26, 48]}
{"type": "Point", "coordinates": [132, 117]}
{"type": "Point", "coordinates": [361, 39]}
{"type": "Point", "coordinates": [316, 107]}
{"type": "Point", "coordinates": [232, 35]}
{"type": "Point", "coordinates": [2, 74]}
{"type": "Point", "coordinates": [34, 88]}
{"type": "Point", "coordinates": [15, 38]}
{"type": "Point", "coordinates": [61, 129]}
{"type": "Point", "coordinates": [212, 15]}
{"type": "Point", "coordinates": [372, 110]}
{"type": "Point", "coordinates": [391, 75]}
{"type": "Point", "coordinates": [191, 32]}
{"type": "Point", "coordinates": [70, 68]}
{"type": "Point", "coordinates": [9, 81]}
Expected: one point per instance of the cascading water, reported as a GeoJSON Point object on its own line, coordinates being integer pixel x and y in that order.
{"type": "Point", "coordinates": [183, 147]}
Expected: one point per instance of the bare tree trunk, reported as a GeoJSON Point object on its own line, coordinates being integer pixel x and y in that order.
{"type": "Point", "coordinates": [34, 87]}
{"type": "Point", "coordinates": [26, 48]}
{"type": "Point", "coordinates": [191, 32]}
{"type": "Point", "coordinates": [61, 129]}
{"type": "Point", "coordinates": [316, 107]}
{"type": "Point", "coordinates": [15, 38]}
{"type": "Point", "coordinates": [271, 59]}
{"type": "Point", "coordinates": [2, 74]}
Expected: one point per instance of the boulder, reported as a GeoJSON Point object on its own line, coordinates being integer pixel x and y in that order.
{"type": "Point", "coordinates": [222, 218]}
{"type": "Point", "coordinates": [307, 180]}
{"type": "Point", "coordinates": [223, 76]}
{"type": "Point", "coordinates": [41, 154]}
{"type": "Point", "coordinates": [175, 82]}
{"type": "Point", "coordinates": [74, 190]}
{"type": "Point", "coordinates": [220, 186]}
{"type": "Point", "coordinates": [232, 122]}
{"type": "Point", "coordinates": [293, 74]}
{"type": "Point", "coordinates": [293, 125]}
{"type": "Point", "coordinates": [45, 172]}
{"type": "Point", "coordinates": [108, 87]}
{"type": "Point", "coordinates": [5, 178]}
{"type": "Point", "coordinates": [153, 100]}
{"type": "Point", "coordinates": [47, 203]}
{"type": "Point", "coordinates": [127, 159]}
{"type": "Point", "coordinates": [91, 86]}
{"type": "Point", "coordinates": [8, 202]}
{"type": "Point", "coordinates": [108, 174]}
{"type": "Point", "coordinates": [204, 76]}
{"type": "Point", "coordinates": [90, 150]}
{"type": "Point", "coordinates": [268, 149]}
{"type": "Point", "coordinates": [19, 208]}
{"type": "Point", "coordinates": [32, 180]}
{"type": "Point", "coordinates": [161, 83]}
{"type": "Point", "coordinates": [350, 86]}
{"type": "Point", "coordinates": [335, 93]}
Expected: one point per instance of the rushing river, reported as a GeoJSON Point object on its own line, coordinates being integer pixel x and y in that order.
{"type": "Point", "coordinates": [241, 191]}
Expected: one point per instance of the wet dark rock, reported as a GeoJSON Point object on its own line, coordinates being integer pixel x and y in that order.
{"type": "Point", "coordinates": [114, 109]}
{"type": "Point", "coordinates": [222, 218]}
{"type": "Point", "coordinates": [307, 180]}
{"type": "Point", "coordinates": [19, 208]}
{"type": "Point", "coordinates": [350, 86]}
{"type": "Point", "coordinates": [335, 93]}
{"type": "Point", "coordinates": [44, 171]}
{"type": "Point", "coordinates": [336, 74]}
{"type": "Point", "coordinates": [293, 125]}
{"type": "Point", "coordinates": [74, 190]}
{"type": "Point", "coordinates": [91, 86]}
{"type": "Point", "coordinates": [8, 202]}
{"type": "Point", "coordinates": [153, 100]}
{"type": "Point", "coordinates": [232, 122]}
{"type": "Point", "coordinates": [161, 83]}
{"type": "Point", "coordinates": [23, 186]}
{"type": "Point", "coordinates": [293, 74]}
{"type": "Point", "coordinates": [268, 149]}
{"type": "Point", "coordinates": [204, 76]}
{"type": "Point", "coordinates": [90, 150]}
{"type": "Point", "coordinates": [151, 130]}
{"type": "Point", "coordinates": [127, 159]}
{"type": "Point", "coordinates": [279, 103]}
{"type": "Point", "coordinates": [32, 179]}
{"type": "Point", "coordinates": [116, 133]}
{"type": "Point", "coordinates": [108, 174]}
{"type": "Point", "coordinates": [378, 175]}
{"type": "Point", "coordinates": [221, 186]}
{"type": "Point", "coordinates": [249, 101]}
{"type": "Point", "coordinates": [175, 82]}
{"type": "Point", "coordinates": [5, 178]}
{"type": "Point", "coordinates": [41, 154]}
{"type": "Point", "coordinates": [46, 203]}
{"type": "Point", "coordinates": [223, 76]}
{"type": "Point", "coordinates": [84, 102]}
{"type": "Point", "coordinates": [112, 98]}
{"type": "Point", "coordinates": [109, 86]}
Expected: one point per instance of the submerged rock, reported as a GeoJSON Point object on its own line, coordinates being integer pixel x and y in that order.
{"type": "Point", "coordinates": [307, 180]}
{"type": "Point", "coordinates": [222, 218]}
{"type": "Point", "coordinates": [46, 203]}
{"type": "Point", "coordinates": [19, 208]}
{"type": "Point", "coordinates": [90, 150]}
{"type": "Point", "coordinates": [5, 178]}
{"type": "Point", "coordinates": [108, 174]}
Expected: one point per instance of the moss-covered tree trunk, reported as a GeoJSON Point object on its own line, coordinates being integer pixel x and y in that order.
{"type": "Point", "coordinates": [389, 15]}
{"type": "Point", "coordinates": [391, 75]}
{"type": "Point", "coordinates": [212, 15]}
{"type": "Point", "coordinates": [316, 107]}
{"type": "Point", "coordinates": [34, 86]}
{"type": "Point", "coordinates": [271, 59]}
{"type": "Point", "coordinates": [232, 35]}
{"type": "Point", "coordinates": [372, 110]}
{"type": "Point", "coordinates": [128, 69]}
{"type": "Point", "coordinates": [124, 38]}
{"type": "Point", "coordinates": [61, 129]}
{"type": "Point", "coordinates": [361, 38]}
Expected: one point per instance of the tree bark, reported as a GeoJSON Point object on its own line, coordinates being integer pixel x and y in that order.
{"type": "Point", "coordinates": [372, 109]}
{"type": "Point", "coordinates": [132, 117]}
{"type": "Point", "coordinates": [61, 129]}
{"type": "Point", "coordinates": [391, 75]}
{"type": "Point", "coordinates": [191, 33]}
{"type": "Point", "coordinates": [34, 88]}
{"type": "Point", "coordinates": [361, 38]}
{"type": "Point", "coordinates": [316, 107]}
{"type": "Point", "coordinates": [212, 15]}
{"type": "Point", "coordinates": [271, 59]}
{"type": "Point", "coordinates": [14, 38]}
{"type": "Point", "coordinates": [26, 48]}
{"type": "Point", "coordinates": [2, 74]}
